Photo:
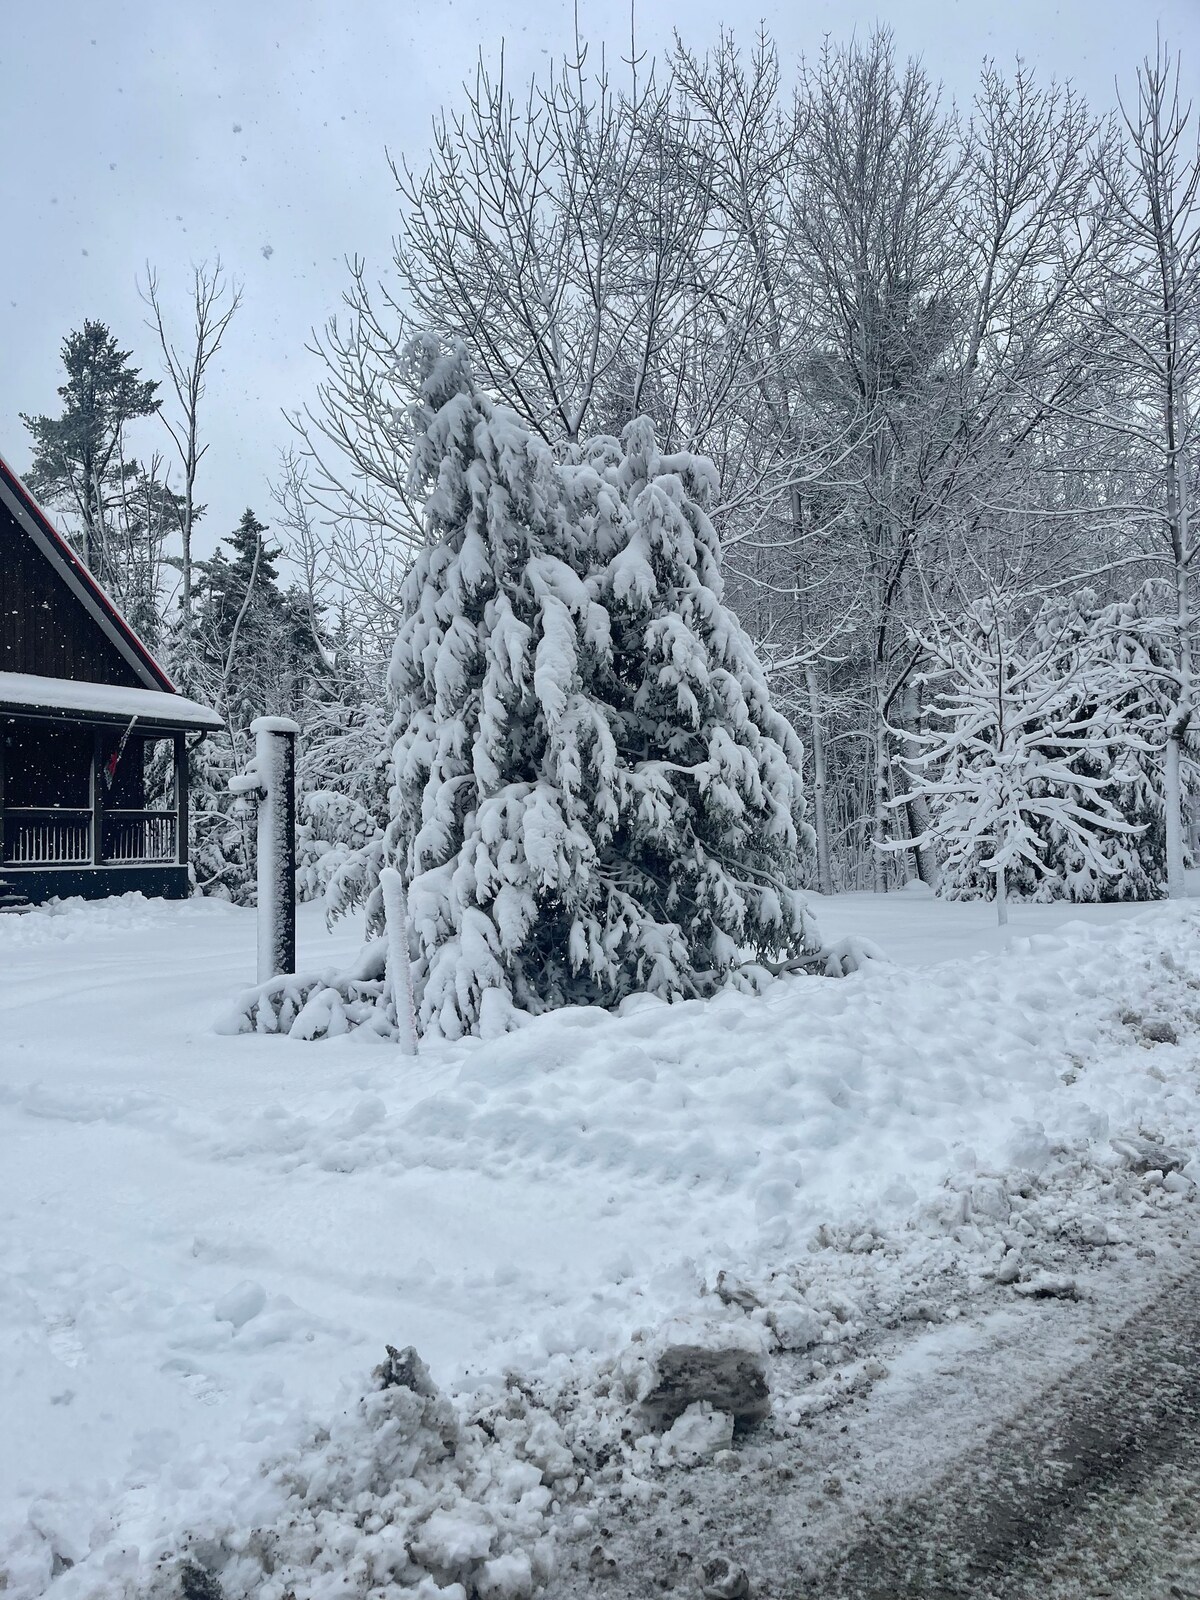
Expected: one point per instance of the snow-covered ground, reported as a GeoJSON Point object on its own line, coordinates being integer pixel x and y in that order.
{"type": "Point", "coordinates": [206, 1240]}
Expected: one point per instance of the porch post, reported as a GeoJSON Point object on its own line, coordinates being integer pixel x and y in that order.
{"type": "Point", "coordinates": [97, 795]}
{"type": "Point", "coordinates": [181, 799]}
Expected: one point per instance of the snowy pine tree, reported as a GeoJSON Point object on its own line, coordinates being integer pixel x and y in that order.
{"type": "Point", "coordinates": [592, 794]}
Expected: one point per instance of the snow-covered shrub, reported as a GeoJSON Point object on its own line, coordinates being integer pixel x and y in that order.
{"type": "Point", "coordinates": [1089, 689]}
{"type": "Point", "coordinates": [1016, 773]}
{"type": "Point", "coordinates": [318, 1005]}
{"type": "Point", "coordinates": [1127, 695]}
{"type": "Point", "coordinates": [592, 793]}
{"type": "Point", "coordinates": [223, 853]}
{"type": "Point", "coordinates": [331, 829]}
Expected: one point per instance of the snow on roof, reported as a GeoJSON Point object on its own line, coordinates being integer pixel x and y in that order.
{"type": "Point", "coordinates": [23, 691]}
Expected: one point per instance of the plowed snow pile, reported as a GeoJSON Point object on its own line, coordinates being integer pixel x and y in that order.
{"type": "Point", "coordinates": [206, 1242]}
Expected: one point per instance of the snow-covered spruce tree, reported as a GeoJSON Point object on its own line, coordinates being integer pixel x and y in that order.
{"type": "Point", "coordinates": [1007, 771]}
{"type": "Point", "coordinates": [332, 830]}
{"type": "Point", "coordinates": [592, 794]}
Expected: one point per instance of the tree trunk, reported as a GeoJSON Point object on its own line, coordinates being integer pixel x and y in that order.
{"type": "Point", "coordinates": [185, 599]}
{"type": "Point", "coordinates": [1002, 897]}
{"type": "Point", "coordinates": [820, 799]}
{"type": "Point", "coordinates": [920, 820]}
{"type": "Point", "coordinates": [1173, 807]}
{"type": "Point", "coordinates": [816, 725]}
{"type": "Point", "coordinates": [399, 964]}
{"type": "Point", "coordinates": [1177, 511]}
{"type": "Point", "coordinates": [879, 815]}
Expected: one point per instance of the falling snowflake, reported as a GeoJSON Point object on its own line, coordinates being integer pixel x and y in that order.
{"type": "Point", "coordinates": [268, 250]}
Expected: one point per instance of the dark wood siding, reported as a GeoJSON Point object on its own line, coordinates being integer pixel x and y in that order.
{"type": "Point", "coordinates": [50, 764]}
{"type": "Point", "coordinates": [43, 627]}
{"type": "Point", "coordinates": [47, 763]}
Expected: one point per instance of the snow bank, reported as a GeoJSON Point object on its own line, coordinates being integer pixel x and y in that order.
{"type": "Point", "coordinates": [64, 921]}
{"type": "Point", "coordinates": [241, 1216]}
{"type": "Point", "coordinates": [770, 1114]}
{"type": "Point", "coordinates": [397, 1492]}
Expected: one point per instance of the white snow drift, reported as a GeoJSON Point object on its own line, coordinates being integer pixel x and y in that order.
{"type": "Point", "coordinates": [207, 1241]}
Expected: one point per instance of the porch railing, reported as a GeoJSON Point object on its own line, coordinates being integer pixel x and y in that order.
{"type": "Point", "coordinates": [47, 836]}
{"type": "Point", "coordinates": [139, 836]}
{"type": "Point", "coordinates": [54, 836]}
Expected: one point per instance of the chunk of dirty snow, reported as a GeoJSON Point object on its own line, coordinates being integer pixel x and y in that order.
{"type": "Point", "coordinates": [725, 1580]}
{"type": "Point", "coordinates": [796, 1327]}
{"type": "Point", "coordinates": [243, 1303]}
{"type": "Point", "coordinates": [1145, 1155]}
{"type": "Point", "coordinates": [506, 1577]}
{"type": "Point", "coordinates": [696, 1434]}
{"type": "Point", "coordinates": [1157, 1030]}
{"type": "Point", "coordinates": [723, 1363]}
{"type": "Point", "coordinates": [735, 1291]}
{"type": "Point", "coordinates": [989, 1198]}
{"type": "Point", "coordinates": [1048, 1286]}
{"type": "Point", "coordinates": [1093, 1231]}
{"type": "Point", "coordinates": [732, 1380]}
{"type": "Point", "coordinates": [1009, 1269]}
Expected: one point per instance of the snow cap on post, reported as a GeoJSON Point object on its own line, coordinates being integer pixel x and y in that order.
{"type": "Point", "coordinates": [274, 725]}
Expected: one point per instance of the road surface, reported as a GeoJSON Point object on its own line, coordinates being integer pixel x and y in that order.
{"type": "Point", "coordinates": [1046, 1449]}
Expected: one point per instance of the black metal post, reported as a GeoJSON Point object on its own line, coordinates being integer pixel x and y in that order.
{"type": "Point", "coordinates": [97, 797]}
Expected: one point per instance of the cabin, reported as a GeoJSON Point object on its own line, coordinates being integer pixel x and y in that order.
{"type": "Point", "coordinates": [93, 734]}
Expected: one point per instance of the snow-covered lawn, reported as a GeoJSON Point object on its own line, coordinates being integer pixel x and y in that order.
{"type": "Point", "coordinates": [204, 1238]}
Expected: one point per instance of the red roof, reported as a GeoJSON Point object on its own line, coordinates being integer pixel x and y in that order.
{"type": "Point", "coordinates": [89, 591]}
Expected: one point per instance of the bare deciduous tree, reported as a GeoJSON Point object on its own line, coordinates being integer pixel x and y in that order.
{"type": "Point", "coordinates": [214, 301]}
{"type": "Point", "coordinates": [1146, 323]}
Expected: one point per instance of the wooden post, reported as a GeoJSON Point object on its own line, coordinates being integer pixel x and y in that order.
{"type": "Point", "coordinates": [97, 797]}
{"type": "Point", "coordinates": [182, 823]}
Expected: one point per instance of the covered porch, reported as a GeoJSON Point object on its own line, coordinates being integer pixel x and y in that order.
{"type": "Point", "coordinates": [94, 788]}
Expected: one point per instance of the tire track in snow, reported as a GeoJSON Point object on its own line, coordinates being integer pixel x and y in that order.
{"type": "Point", "coordinates": [1027, 1512]}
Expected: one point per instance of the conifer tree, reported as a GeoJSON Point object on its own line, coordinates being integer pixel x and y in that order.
{"type": "Point", "coordinates": [254, 637]}
{"type": "Point", "coordinates": [79, 460]}
{"type": "Point", "coordinates": [591, 794]}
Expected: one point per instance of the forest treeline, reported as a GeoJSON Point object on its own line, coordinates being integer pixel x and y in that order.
{"type": "Point", "coordinates": [943, 357]}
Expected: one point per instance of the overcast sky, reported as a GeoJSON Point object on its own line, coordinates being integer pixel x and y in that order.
{"type": "Point", "coordinates": [133, 131]}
